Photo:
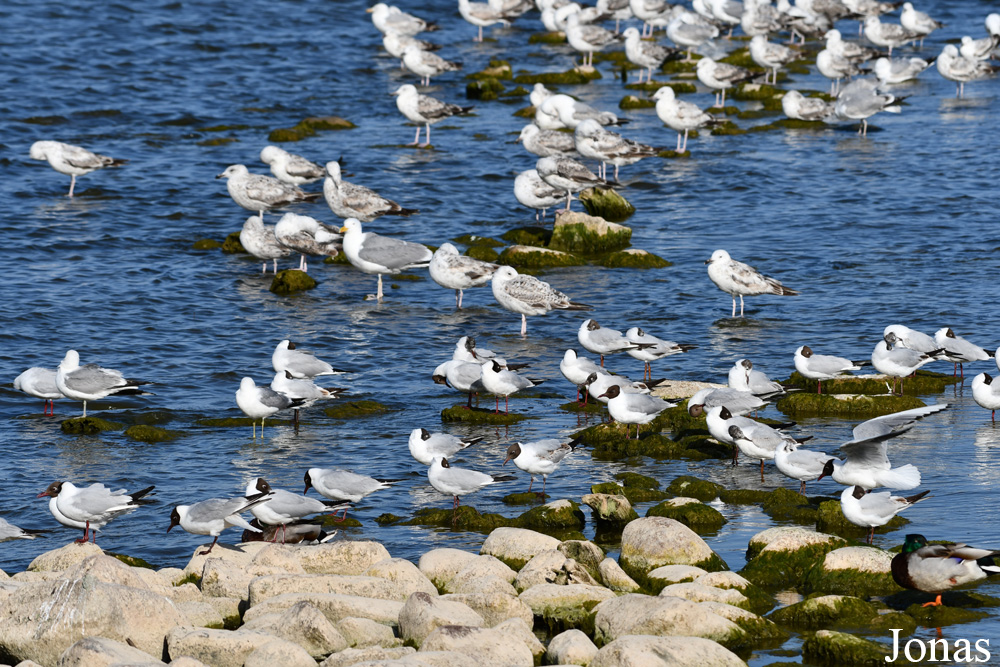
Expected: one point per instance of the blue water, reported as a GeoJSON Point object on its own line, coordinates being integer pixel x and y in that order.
{"type": "Point", "coordinates": [897, 227]}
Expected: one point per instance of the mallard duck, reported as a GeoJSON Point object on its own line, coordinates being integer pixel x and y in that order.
{"type": "Point", "coordinates": [935, 568]}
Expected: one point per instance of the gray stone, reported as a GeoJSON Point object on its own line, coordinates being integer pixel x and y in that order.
{"type": "Point", "coordinates": [476, 570]}
{"type": "Point", "coordinates": [696, 592]}
{"type": "Point", "coordinates": [240, 555]}
{"type": "Point", "coordinates": [373, 654]}
{"type": "Point", "coordinates": [552, 567]}
{"type": "Point", "coordinates": [564, 607]}
{"type": "Point", "coordinates": [102, 652]}
{"type": "Point", "coordinates": [334, 606]}
{"type": "Point", "coordinates": [485, 647]}
{"type": "Point", "coordinates": [304, 625]}
{"type": "Point", "coordinates": [219, 648]}
{"type": "Point", "coordinates": [262, 588]}
{"type": "Point", "coordinates": [572, 647]}
{"type": "Point", "coordinates": [404, 574]}
{"type": "Point", "coordinates": [441, 565]}
{"type": "Point", "coordinates": [610, 508]}
{"type": "Point", "coordinates": [615, 578]}
{"type": "Point", "coordinates": [652, 542]}
{"type": "Point", "coordinates": [279, 652]}
{"type": "Point", "coordinates": [494, 607]}
{"type": "Point", "coordinates": [516, 628]}
{"type": "Point", "coordinates": [423, 613]}
{"type": "Point", "coordinates": [200, 614]}
{"type": "Point", "coordinates": [635, 614]}
{"type": "Point", "coordinates": [364, 632]}
{"type": "Point", "coordinates": [59, 559]}
{"type": "Point", "coordinates": [516, 546]}
{"type": "Point", "coordinates": [636, 651]}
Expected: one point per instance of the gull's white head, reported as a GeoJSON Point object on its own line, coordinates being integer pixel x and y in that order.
{"type": "Point", "coordinates": [832, 36]}
{"type": "Point", "coordinates": [271, 154]}
{"type": "Point", "coordinates": [410, 49]}
{"type": "Point", "coordinates": [351, 225]}
{"type": "Point", "coordinates": [527, 132]}
{"type": "Point", "coordinates": [758, 40]}
{"type": "Point", "coordinates": [993, 24]}
{"type": "Point", "coordinates": [882, 67]}
{"type": "Point", "coordinates": [406, 90]}
{"type": "Point", "coordinates": [39, 150]}
{"type": "Point", "coordinates": [546, 165]}
{"type": "Point", "coordinates": [664, 93]}
{"type": "Point", "coordinates": [247, 384]}
{"type": "Point", "coordinates": [504, 273]}
{"type": "Point", "coordinates": [234, 170]}
{"type": "Point", "coordinates": [539, 94]}
{"type": "Point", "coordinates": [569, 356]}
{"type": "Point", "coordinates": [950, 50]}
{"type": "Point", "coordinates": [333, 170]}
{"type": "Point", "coordinates": [378, 11]}
{"type": "Point", "coordinates": [588, 128]}
{"type": "Point", "coordinates": [631, 35]}
{"type": "Point", "coordinates": [718, 256]}
{"type": "Point", "coordinates": [907, 6]}
{"type": "Point", "coordinates": [706, 63]}
{"type": "Point", "coordinates": [70, 361]}
{"type": "Point", "coordinates": [446, 249]}
{"type": "Point", "coordinates": [872, 22]}
{"type": "Point", "coordinates": [253, 221]}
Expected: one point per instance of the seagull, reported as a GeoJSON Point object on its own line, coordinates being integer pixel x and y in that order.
{"type": "Point", "coordinates": [40, 383]}
{"type": "Point", "coordinates": [935, 568]}
{"type": "Point", "coordinates": [679, 116]}
{"type": "Point", "coordinates": [344, 485]}
{"type": "Point", "coordinates": [593, 141]}
{"type": "Point", "coordinates": [91, 382]}
{"type": "Point", "coordinates": [761, 437]}
{"type": "Point", "coordinates": [744, 377]}
{"type": "Point", "coordinates": [512, 8]}
{"type": "Point", "coordinates": [458, 272]}
{"type": "Point", "coordinates": [860, 100]}
{"type": "Point", "coordinates": [629, 408]}
{"type": "Point", "coordinates": [562, 111]}
{"type": "Point", "coordinates": [424, 109]}
{"type": "Point", "coordinates": [426, 446]}
{"type": "Point", "coordinates": [978, 49]}
{"type": "Point", "coordinates": [737, 402]}
{"type": "Point", "coordinates": [481, 15]}
{"type": "Point", "coordinates": [870, 510]}
{"type": "Point", "coordinates": [727, 12]}
{"type": "Point", "coordinates": [90, 507]}
{"type": "Point", "coordinates": [739, 279]}
{"type": "Point", "coordinates": [528, 295]}
{"type": "Point", "coordinates": [458, 482]}
{"type": "Point", "coordinates": [955, 67]}
{"type": "Point", "coordinates": [753, 448]}
{"type": "Point", "coordinates": [911, 338]}
{"type": "Point", "coordinates": [395, 44]}
{"type": "Point", "coordinates": [301, 389]}
{"type": "Point", "coordinates": [299, 363]}
{"type": "Point", "coordinates": [619, 10]}
{"type": "Point", "coordinates": [259, 240]}
{"type": "Point", "coordinates": [290, 168]}
{"type": "Point", "coordinates": [71, 160]}
{"type": "Point", "coordinates": [836, 67]}
{"type": "Point", "coordinates": [646, 55]}
{"type": "Point", "coordinates": [598, 383]}
{"type": "Point", "coordinates": [9, 531]}
{"type": "Point", "coordinates": [650, 348]}
{"type": "Point", "coordinates": [259, 193]}
{"type": "Point", "coordinates": [500, 381]}
{"type": "Point", "coordinates": [899, 362]}
{"type": "Point", "coordinates": [308, 236]}
{"type": "Point", "coordinates": [993, 24]}
{"type": "Point", "coordinates": [212, 516]}
{"type": "Point", "coordinates": [567, 175]}
{"type": "Point", "coordinates": [546, 143]}
{"type": "Point", "coordinates": [539, 93]}
{"type": "Point", "coordinates": [374, 253]}
{"type": "Point", "coordinates": [587, 38]}
{"type": "Point", "coordinates": [649, 11]}
{"type": "Point", "coordinates": [770, 56]}
{"type": "Point", "coordinates": [802, 464]}
{"type": "Point", "coordinates": [899, 70]}
{"type": "Point", "coordinates": [463, 376]}
{"type": "Point", "coordinates": [539, 458]}
{"type": "Point", "coordinates": [691, 32]}
{"type": "Point", "coordinates": [760, 18]}
{"type": "Point", "coordinates": [348, 200]}
{"type": "Point", "coordinates": [390, 19]}
{"type": "Point", "coordinates": [284, 507]}
{"type": "Point", "coordinates": [889, 35]}
{"type": "Point", "coordinates": [986, 393]}
{"type": "Point", "coordinates": [426, 64]}
{"type": "Point", "coordinates": [531, 191]}
{"type": "Point", "coordinates": [601, 340]}
{"type": "Point", "coordinates": [467, 350]}
{"type": "Point", "coordinates": [959, 350]}
{"type": "Point", "coordinates": [577, 369]}
{"type": "Point", "coordinates": [261, 402]}
{"type": "Point", "coordinates": [920, 24]}
{"type": "Point", "coordinates": [852, 51]}
{"type": "Point", "coordinates": [721, 76]}
{"type": "Point", "coordinates": [821, 367]}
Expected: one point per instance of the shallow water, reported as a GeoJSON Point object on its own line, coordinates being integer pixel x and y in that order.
{"type": "Point", "coordinates": [898, 227]}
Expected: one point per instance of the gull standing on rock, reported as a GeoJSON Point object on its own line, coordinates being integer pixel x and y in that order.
{"type": "Point", "coordinates": [986, 393]}
{"type": "Point", "coordinates": [463, 376]}
{"type": "Point", "coordinates": [679, 116]}
{"type": "Point", "coordinates": [899, 362]}
{"type": "Point", "coordinates": [802, 464]}
{"type": "Point", "coordinates": [348, 200]}
{"type": "Point", "coordinates": [646, 55]}
{"type": "Point", "coordinates": [754, 448]}
{"type": "Point", "coordinates": [426, 64]}
{"type": "Point", "coordinates": [546, 143]}
{"type": "Point", "coordinates": [259, 193]}
{"type": "Point", "coordinates": [860, 100]}
{"type": "Point", "coordinates": [917, 22]}
{"type": "Point", "coordinates": [600, 381]}
{"type": "Point", "coordinates": [958, 350]}
{"type": "Point", "coordinates": [457, 482]}
{"type": "Point", "coordinates": [739, 279]}
{"type": "Point", "coordinates": [290, 168]}
{"type": "Point", "coordinates": [424, 109]}
{"type": "Point", "coordinates": [650, 348]}
{"type": "Point", "coordinates": [282, 507]}
{"type": "Point", "coordinates": [212, 516]}
{"type": "Point", "coordinates": [821, 367]}
{"type": "Point", "coordinates": [528, 295]}
{"type": "Point", "coordinates": [771, 56]}
{"type": "Point", "coordinates": [577, 369]}
{"type": "Point", "coordinates": [374, 253]}
{"type": "Point", "coordinates": [593, 141]}
{"type": "Point", "coordinates": [300, 363]}
{"type": "Point", "coordinates": [481, 15]}
{"type": "Point", "coordinates": [744, 377]}
{"type": "Point", "coordinates": [601, 340]}
{"type": "Point", "coordinates": [911, 338]}
{"type": "Point", "coordinates": [261, 402]}
{"type": "Point", "coordinates": [889, 35]}
{"type": "Point", "coordinates": [871, 510]}
{"type": "Point", "coordinates": [531, 191]}
{"type": "Point", "coordinates": [71, 160]}
{"type": "Point", "coordinates": [92, 382]}
{"type": "Point", "coordinates": [426, 446]}
{"type": "Point", "coordinates": [90, 507]}
{"type": "Point", "coordinates": [628, 408]}
{"type": "Point", "coordinates": [499, 381]}
{"type": "Point", "coordinates": [737, 402]}
{"type": "Point", "coordinates": [308, 236]}
{"type": "Point", "coordinates": [955, 67]}
{"type": "Point", "coordinates": [567, 175]}
{"type": "Point", "coordinates": [720, 77]}
{"type": "Point", "coordinates": [40, 383]}
{"type": "Point", "coordinates": [387, 18]}
{"type": "Point", "coordinates": [539, 458]}
{"type": "Point", "coordinates": [559, 111]}
{"type": "Point", "coordinates": [458, 272]}
{"type": "Point", "coordinates": [260, 241]}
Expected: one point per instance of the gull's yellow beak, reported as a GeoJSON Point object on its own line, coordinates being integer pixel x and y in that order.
{"type": "Point", "coordinates": [343, 230]}
{"type": "Point", "coordinates": [369, 10]}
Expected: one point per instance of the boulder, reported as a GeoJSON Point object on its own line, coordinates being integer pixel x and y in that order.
{"type": "Point", "coordinates": [373, 654]}
{"type": "Point", "coordinates": [186, 661]}
{"type": "Point", "coordinates": [305, 625]}
{"type": "Point", "coordinates": [342, 557]}
{"type": "Point", "coordinates": [516, 546]}
{"type": "Point", "coordinates": [858, 571]}
{"type": "Point", "coordinates": [781, 557]}
{"type": "Point", "coordinates": [556, 516]}
{"type": "Point", "coordinates": [282, 556]}
{"type": "Point", "coordinates": [552, 567]}
{"type": "Point", "coordinates": [279, 652]}
{"type": "Point", "coordinates": [334, 606]}
{"type": "Point", "coordinates": [485, 584]}
{"type": "Point", "coordinates": [440, 565]}
{"type": "Point", "coordinates": [571, 647]}
{"type": "Point", "coordinates": [615, 578]}
{"type": "Point", "coordinates": [219, 648]}
{"type": "Point", "coordinates": [240, 555]}
{"type": "Point", "coordinates": [760, 602]}
{"type": "Point", "coordinates": [610, 508]}
{"type": "Point", "coordinates": [231, 610]}
{"type": "Point", "coordinates": [692, 487]}
{"type": "Point", "coordinates": [423, 613]}
{"type": "Point", "coordinates": [479, 568]}
{"type": "Point", "coordinates": [585, 553]}
{"type": "Point", "coordinates": [200, 614]}
{"type": "Point", "coordinates": [691, 512]}
{"type": "Point", "coordinates": [672, 574]}
{"type": "Point", "coordinates": [826, 611]}
{"type": "Point", "coordinates": [665, 652]}
{"type": "Point", "coordinates": [635, 614]}
{"type": "Point", "coordinates": [652, 542]}
{"type": "Point", "coordinates": [564, 607]}
{"type": "Point", "coordinates": [697, 592]}
{"type": "Point", "coordinates": [363, 632]}
{"type": "Point", "coordinates": [224, 578]}
{"type": "Point", "coordinates": [494, 607]}
{"type": "Point", "coordinates": [404, 574]}
{"type": "Point", "coordinates": [62, 558]}
{"type": "Point", "coordinates": [838, 648]}
{"type": "Point", "coordinates": [757, 628]}
{"type": "Point", "coordinates": [262, 588]}
{"type": "Point", "coordinates": [518, 629]}
{"type": "Point", "coordinates": [102, 652]}
{"type": "Point", "coordinates": [485, 647]}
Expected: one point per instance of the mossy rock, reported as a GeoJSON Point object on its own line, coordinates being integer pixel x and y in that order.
{"type": "Point", "coordinates": [232, 245]}
{"type": "Point", "coordinates": [839, 649]}
{"type": "Point", "coordinates": [924, 382]}
{"type": "Point", "coordinates": [232, 422]}
{"type": "Point", "coordinates": [633, 102]}
{"type": "Point", "coordinates": [330, 521]}
{"type": "Point", "coordinates": [532, 257]}
{"type": "Point", "coordinates": [786, 569]}
{"type": "Point", "coordinates": [608, 204]}
{"type": "Point", "coordinates": [828, 611]}
{"type": "Point", "coordinates": [292, 280]}
{"type": "Point", "coordinates": [525, 498]}
{"type": "Point", "coordinates": [760, 92]}
{"type": "Point", "coordinates": [632, 258]}
{"type": "Point", "coordinates": [754, 114]}
{"type": "Point", "coordinates": [849, 582]}
{"type": "Point", "coordinates": [498, 69]}
{"type": "Point", "coordinates": [132, 561]}
{"type": "Point", "coordinates": [217, 141]}
{"type": "Point", "coordinates": [339, 258]}
{"type": "Point", "coordinates": [480, 241]}
{"type": "Point", "coordinates": [677, 66]}
{"type": "Point", "coordinates": [307, 127]}
{"type": "Point", "coordinates": [741, 58]}
{"type": "Point", "coordinates": [88, 426]}
{"type": "Point", "coordinates": [592, 408]}
{"type": "Point", "coordinates": [787, 505]}
{"type": "Point", "coordinates": [557, 516]}
{"type": "Point", "coordinates": [854, 406]}
{"type": "Point", "coordinates": [388, 519]}
{"type": "Point", "coordinates": [146, 433]}
{"type": "Point", "coordinates": [482, 253]}
{"type": "Point", "coordinates": [587, 234]}
{"type": "Point", "coordinates": [574, 77]}
{"type": "Point", "coordinates": [632, 494]}
{"type": "Point", "coordinates": [743, 496]}
{"type": "Point", "coordinates": [460, 413]}
{"type": "Point", "coordinates": [692, 487]}
{"type": "Point", "coordinates": [699, 517]}
{"type": "Point", "coordinates": [670, 154]}
{"type": "Point", "coordinates": [519, 91]}
{"type": "Point", "coordinates": [465, 518]}
{"type": "Point", "coordinates": [526, 112]}
{"type": "Point", "coordinates": [207, 244]}
{"type": "Point", "coordinates": [796, 124]}
{"type": "Point", "coordinates": [485, 90]}
{"type": "Point", "coordinates": [613, 445]}
{"type": "Point", "coordinates": [727, 128]}
{"type": "Point", "coordinates": [941, 616]}
{"type": "Point", "coordinates": [557, 37]}
{"type": "Point", "coordinates": [356, 409]}
{"type": "Point", "coordinates": [530, 236]}
{"type": "Point", "coordinates": [727, 111]}
{"type": "Point", "coordinates": [831, 520]}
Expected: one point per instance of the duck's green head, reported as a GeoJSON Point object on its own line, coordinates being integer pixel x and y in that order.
{"type": "Point", "coordinates": [914, 542]}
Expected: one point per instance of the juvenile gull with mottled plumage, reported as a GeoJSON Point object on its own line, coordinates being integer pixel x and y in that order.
{"type": "Point", "coordinates": [424, 109]}
{"type": "Point", "coordinates": [289, 167]}
{"type": "Point", "coordinates": [459, 272]}
{"type": "Point", "coordinates": [256, 192]}
{"type": "Point", "coordinates": [528, 295]}
{"type": "Point", "coordinates": [739, 279]}
{"type": "Point", "coordinates": [349, 200]}
{"type": "Point", "coordinates": [71, 160]}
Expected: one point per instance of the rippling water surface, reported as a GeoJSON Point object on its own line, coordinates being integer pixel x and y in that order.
{"type": "Point", "coordinates": [898, 227]}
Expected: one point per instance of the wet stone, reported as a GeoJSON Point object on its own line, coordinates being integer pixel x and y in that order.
{"type": "Point", "coordinates": [89, 426]}
{"type": "Point", "coordinates": [147, 433]}
{"type": "Point", "coordinates": [292, 280]}
{"type": "Point", "coordinates": [607, 204]}
{"type": "Point", "coordinates": [356, 410]}
{"type": "Point", "coordinates": [853, 406]}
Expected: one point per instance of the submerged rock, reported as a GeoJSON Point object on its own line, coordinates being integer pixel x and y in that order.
{"type": "Point", "coordinates": [633, 258]}
{"type": "Point", "coordinates": [557, 37]}
{"type": "Point", "coordinates": [533, 257]}
{"type": "Point", "coordinates": [825, 612]}
{"type": "Point", "coordinates": [356, 409]}
{"type": "Point", "coordinates": [88, 426]}
{"type": "Point", "coordinates": [232, 245]}
{"type": "Point", "coordinates": [559, 515]}
{"type": "Point", "coordinates": [691, 512]}
{"type": "Point", "coordinates": [292, 280]}
{"type": "Point", "coordinates": [206, 244]}
{"type": "Point", "coordinates": [482, 253]}
{"type": "Point", "coordinates": [307, 127]}
{"type": "Point", "coordinates": [608, 204]}
{"type": "Point", "coordinates": [859, 571]}
{"type": "Point", "coordinates": [465, 518]}
{"type": "Point", "coordinates": [587, 234]}
{"type": "Point", "coordinates": [151, 433]}
{"type": "Point", "coordinates": [924, 382]}
{"type": "Point", "coordinates": [633, 102]}
{"type": "Point", "coordinates": [460, 413]}
{"type": "Point", "coordinates": [782, 557]}
{"type": "Point", "coordinates": [574, 77]}
{"type": "Point", "coordinates": [854, 406]}
{"type": "Point", "coordinates": [485, 89]}
{"type": "Point", "coordinates": [692, 487]}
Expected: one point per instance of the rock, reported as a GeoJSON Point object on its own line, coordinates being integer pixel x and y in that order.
{"type": "Point", "coordinates": [484, 647]}
{"type": "Point", "coordinates": [185, 661]}
{"type": "Point", "coordinates": [610, 508]}
{"type": "Point", "coordinates": [926, 382]}
{"type": "Point", "coordinates": [63, 558]}
{"type": "Point", "coordinates": [691, 512]}
{"type": "Point", "coordinates": [334, 606]}
{"type": "Point", "coordinates": [357, 409]}
{"type": "Point", "coordinates": [831, 520]}
{"type": "Point", "coordinates": [858, 571]}
{"type": "Point", "coordinates": [423, 613]}
{"type": "Point", "coordinates": [378, 656]}
{"type": "Point", "coordinates": [495, 608]}
{"type": "Point", "coordinates": [633, 102]}
{"type": "Point", "coordinates": [341, 557]}
{"type": "Point", "coordinates": [441, 565]}
{"type": "Point", "coordinates": [848, 406]}
{"type": "Point", "coordinates": [516, 546]}
{"type": "Point", "coordinates": [633, 258]}
{"type": "Point", "coordinates": [692, 487]}
{"type": "Point", "coordinates": [615, 578]}
{"type": "Point", "coordinates": [672, 574]}
{"type": "Point", "coordinates": [222, 578]}
{"type": "Point", "coordinates": [279, 652]}
{"type": "Point", "coordinates": [460, 413]}
{"type": "Point", "coordinates": [757, 628]}
{"type": "Point", "coordinates": [563, 607]}
{"type": "Point", "coordinates": [219, 648]}
{"type": "Point", "coordinates": [838, 648]}
{"type": "Point", "coordinates": [404, 574]}
{"type": "Point", "coordinates": [585, 553]}
{"type": "Point", "coordinates": [307, 127]}
{"type": "Point", "coordinates": [607, 204]}
{"type": "Point", "coordinates": [781, 557]}
{"type": "Point", "coordinates": [571, 647]}
{"type": "Point", "coordinates": [282, 556]}
{"type": "Point", "coordinates": [592, 234]}
{"type": "Point", "coordinates": [101, 652]}
{"type": "Point", "coordinates": [651, 542]}
{"type": "Point", "coordinates": [264, 587]}
{"type": "Point", "coordinates": [482, 253]}
{"type": "Point", "coordinates": [759, 601]}
{"type": "Point", "coordinates": [826, 611]}
{"type": "Point", "coordinates": [532, 257]}
{"type": "Point", "coordinates": [88, 426]}
{"type": "Point", "coordinates": [231, 245]}
{"type": "Point", "coordinates": [147, 433]}
{"type": "Point", "coordinates": [556, 516]}
{"type": "Point", "coordinates": [230, 609]}
{"type": "Point", "coordinates": [699, 593]}
{"type": "Point", "coordinates": [486, 584]}
{"type": "Point", "coordinates": [518, 629]}
{"type": "Point", "coordinates": [305, 625]}
{"type": "Point", "coordinates": [240, 555]}
{"type": "Point", "coordinates": [292, 280]}
{"type": "Point", "coordinates": [200, 614]}
{"type": "Point", "coordinates": [552, 567]}
{"type": "Point", "coordinates": [479, 568]}
{"type": "Point", "coordinates": [574, 77]}
{"type": "Point", "coordinates": [665, 652]}
{"type": "Point", "coordinates": [363, 632]}
{"type": "Point", "coordinates": [635, 614]}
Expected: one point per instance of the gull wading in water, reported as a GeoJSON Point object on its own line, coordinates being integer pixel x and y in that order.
{"type": "Point", "coordinates": [531, 191]}
{"type": "Point", "coordinates": [958, 350]}
{"type": "Point", "coordinates": [690, 31]}
{"type": "Point", "coordinates": [593, 141]}
{"type": "Point", "coordinates": [481, 15]}
{"type": "Point", "coordinates": [92, 382]}
{"type": "Point", "coordinates": [212, 516]}
{"type": "Point", "coordinates": [424, 109]}
{"type": "Point", "coordinates": [861, 99]}
{"type": "Point", "coordinates": [71, 160]}
{"type": "Point", "coordinates": [956, 67]}
{"type": "Point", "coordinates": [600, 340]}
{"type": "Point", "coordinates": [920, 24]}
{"type": "Point", "coordinates": [719, 419]}
{"type": "Point", "coordinates": [259, 193]}
{"type": "Point", "coordinates": [679, 116]}
{"type": "Point", "coordinates": [301, 390]}
{"type": "Point", "coordinates": [395, 44]}
{"type": "Point", "coordinates": [261, 402]}
{"type": "Point", "coordinates": [40, 383]}
{"type": "Point", "coordinates": [739, 279]}
{"type": "Point", "coordinates": [979, 49]}
{"type": "Point", "coordinates": [802, 464]}
{"type": "Point", "coordinates": [720, 77]}
{"type": "Point", "coordinates": [889, 35]}
{"type": "Point", "coordinates": [308, 236]}
{"type": "Point", "coordinates": [821, 367]}
{"type": "Point", "coordinates": [539, 458]}
{"type": "Point", "coordinates": [299, 363]}
{"type": "Point", "coordinates": [986, 393]}
{"type": "Point", "coordinates": [426, 446]}
{"type": "Point", "coordinates": [9, 531]}
{"type": "Point", "coordinates": [650, 348]}
{"type": "Point", "coordinates": [799, 107]}
{"type": "Point", "coordinates": [387, 18]}
{"type": "Point", "coordinates": [459, 272]}
{"type": "Point", "coordinates": [259, 240]}
{"type": "Point", "coordinates": [348, 200]}
{"type": "Point", "coordinates": [463, 376]}
{"type": "Point", "coordinates": [647, 55]}
{"type": "Point", "coordinates": [528, 295]}
{"type": "Point", "coordinates": [871, 510]}
{"type": "Point", "coordinates": [290, 168]}
{"type": "Point", "coordinates": [935, 568]}
{"type": "Point", "coordinates": [374, 253]}
{"type": "Point", "coordinates": [567, 175]}
{"type": "Point", "coordinates": [457, 482]}
{"type": "Point", "coordinates": [577, 370]}
{"type": "Point", "coordinates": [546, 143]}
{"type": "Point", "coordinates": [90, 507]}
{"type": "Point", "coordinates": [559, 111]}
{"type": "Point", "coordinates": [426, 64]}
{"type": "Point", "coordinates": [899, 70]}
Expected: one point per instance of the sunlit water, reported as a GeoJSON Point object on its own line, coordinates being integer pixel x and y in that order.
{"type": "Point", "coordinates": [898, 227]}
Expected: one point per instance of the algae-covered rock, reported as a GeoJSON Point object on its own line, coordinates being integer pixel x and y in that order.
{"type": "Point", "coordinates": [839, 649]}
{"type": "Point", "coordinates": [825, 612]}
{"type": "Point", "coordinates": [633, 102]}
{"type": "Point", "coordinates": [475, 240]}
{"type": "Point", "coordinates": [307, 127]}
{"type": "Point", "coordinates": [727, 128]}
{"type": "Point", "coordinates": [232, 245]}
{"type": "Point", "coordinates": [787, 505]}
{"type": "Point", "coordinates": [636, 491]}
{"type": "Point", "coordinates": [464, 518]}
{"type": "Point", "coordinates": [497, 69]}
{"type": "Point", "coordinates": [744, 496]}
{"type": "Point", "coordinates": [460, 413]}
{"type": "Point", "coordinates": [666, 575]}
{"type": "Point", "coordinates": [782, 557]}
{"type": "Point", "coordinates": [553, 567]}
{"type": "Point", "coordinates": [610, 508]}
{"type": "Point", "coordinates": [633, 258]}
{"type": "Point", "coordinates": [651, 542]}
{"type": "Point", "coordinates": [696, 592]}
{"type": "Point", "coordinates": [692, 487]}
{"type": "Point", "coordinates": [611, 206]}
{"type": "Point", "coordinates": [759, 601]}
{"type": "Point", "coordinates": [232, 422]}
{"type": "Point", "coordinates": [516, 546]}
{"type": "Point", "coordinates": [532, 257]}
{"type": "Point", "coordinates": [922, 383]}
{"type": "Point", "coordinates": [292, 280]}
{"type": "Point", "coordinates": [205, 244]}
{"type": "Point", "coordinates": [853, 406]}
{"type": "Point", "coordinates": [757, 628]}
{"type": "Point", "coordinates": [858, 571]}
{"type": "Point", "coordinates": [147, 433]}
{"type": "Point", "coordinates": [559, 608]}
{"type": "Point", "coordinates": [574, 77]}
{"type": "Point", "coordinates": [691, 512]}
{"type": "Point", "coordinates": [635, 614]}
{"type": "Point", "coordinates": [559, 515]}
{"type": "Point", "coordinates": [611, 444]}
{"type": "Point", "coordinates": [942, 616]}
{"type": "Point", "coordinates": [796, 124]}
{"type": "Point", "coordinates": [486, 89]}
{"type": "Point", "coordinates": [356, 409]}
{"type": "Point", "coordinates": [664, 652]}
{"type": "Point", "coordinates": [557, 37]}
{"type": "Point", "coordinates": [587, 234]}
{"type": "Point", "coordinates": [482, 253]}
{"type": "Point", "coordinates": [531, 236]}
{"type": "Point", "coordinates": [88, 426]}
{"type": "Point", "coordinates": [523, 498]}
{"type": "Point", "coordinates": [831, 520]}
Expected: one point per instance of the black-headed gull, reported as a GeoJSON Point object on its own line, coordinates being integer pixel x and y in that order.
{"type": "Point", "coordinates": [628, 408]}
{"type": "Point", "coordinates": [595, 142]}
{"type": "Point", "coordinates": [303, 389]}
{"type": "Point", "coordinates": [457, 482]}
{"type": "Point", "coordinates": [300, 363]}
{"type": "Point", "coordinates": [289, 167]}
{"type": "Point", "coordinates": [986, 393]}
{"type": "Point", "coordinates": [899, 362]}
{"type": "Point", "coordinates": [463, 376]}
{"type": "Point", "coordinates": [343, 485]}
{"type": "Point", "coordinates": [261, 402]}
{"type": "Point", "coordinates": [739, 279]}
{"type": "Point", "coordinates": [89, 507]}
{"type": "Point", "coordinates": [911, 338]}
{"type": "Point", "coordinates": [958, 350]}
{"type": "Point", "coordinates": [500, 381]}
{"type": "Point", "coordinates": [212, 516]}
{"type": "Point", "coordinates": [528, 295]}
{"type": "Point", "coordinates": [349, 200]}
{"type": "Point", "coordinates": [719, 420]}
{"type": "Point", "coordinates": [871, 510]}
{"type": "Point", "coordinates": [424, 110]}
{"type": "Point", "coordinates": [804, 465]}
{"type": "Point", "coordinates": [307, 236]}
{"type": "Point", "coordinates": [752, 448]}
{"type": "Point", "coordinates": [387, 18]}
{"type": "Point", "coordinates": [744, 377]}
{"type": "Point", "coordinates": [737, 402]}
{"type": "Point", "coordinates": [91, 382]}
{"type": "Point", "coordinates": [601, 340]}
{"type": "Point", "coordinates": [650, 348]}
{"type": "Point", "coordinates": [9, 531]}
{"type": "Point", "coordinates": [374, 253]}
{"type": "Point", "coordinates": [282, 507]}
{"type": "Point", "coordinates": [426, 446]}
{"type": "Point", "coordinates": [577, 369]}
{"type": "Point", "coordinates": [935, 568]}
{"type": "Point", "coordinates": [40, 383]}
{"type": "Point", "coordinates": [259, 193]}
{"type": "Point", "coordinates": [821, 367]}
{"type": "Point", "coordinates": [71, 160]}
{"type": "Point", "coordinates": [598, 383]}
{"type": "Point", "coordinates": [539, 458]}
{"type": "Point", "coordinates": [259, 240]}
{"type": "Point", "coordinates": [459, 272]}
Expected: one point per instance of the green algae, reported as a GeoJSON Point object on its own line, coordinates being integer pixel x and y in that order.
{"type": "Point", "coordinates": [670, 154]}
{"type": "Point", "coordinates": [526, 112]}
{"type": "Point", "coordinates": [586, 237]}
{"type": "Point", "coordinates": [614, 446]}
{"type": "Point", "coordinates": [217, 141]}
{"type": "Point", "coordinates": [679, 66]}
{"type": "Point", "coordinates": [557, 37]}
{"type": "Point", "coordinates": [388, 519]}
{"type": "Point", "coordinates": [480, 241]}
{"type": "Point", "coordinates": [485, 89]}
{"type": "Point", "coordinates": [608, 204]}
{"type": "Point", "coordinates": [855, 406]}
{"type": "Point", "coordinates": [232, 245]}
{"type": "Point", "coordinates": [632, 258]}
{"type": "Point", "coordinates": [559, 516]}
{"type": "Point", "coordinates": [941, 616]}
{"type": "Point", "coordinates": [519, 91]}
{"type": "Point", "coordinates": [759, 92]}
{"type": "Point", "coordinates": [465, 517]}
{"type": "Point", "coordinates": [743, 496]}
{"type": "Point", "coordinates": [357, 409]}
{"type": "Point", "coordinates": [497, 69]}
{"type": "Point", "coordinates": [530, 236]}
{"type": "Point", "coordinates": [839, 649]}
{"type": "Point", "coordinates": [754, 114]}
{"type": "Point", "coordinates": [131, 561]}
{"type": "Point", "coordinates": [290, 281]}
{"type": "Point", "coordinates": [785, 569]}
{"type": "Point", "coordinates": [632, 494]}
{"type": "Point", "coordinates": [924, 382]}
{"type": "Point", "coordinates": [525, 498]}
{"type": "Point", "coordinates": [697, 516]}
{"type": "Point", "coordinates": [146, 433]}
{"type": "Point", "coordinates": [831, 520]}
{"type": "Point", "coordinates": [307, 127]}
{"type": "Point", "coordinates": [339, 258]}
{"type": "Point", "coordinates": [88, 426]}
{"type": "Point", "coordinates": [573, 77]}
{"type": "Point", "coordinates": [191, 578]}
{"type": "Point", "coordinates": [460, 413]}
{"type": "Point", "coordinates": [532, 257]}
{"type": "Point", "coordinates": [633, 102]}
{"type": "Point", "coordinates": [849, 582]}
{"type": "Point", "coordinates": [787, 505]}
{"type": "Point", "coordinates": [741, 58]}
{"type": "Point", "coordinates": [482, 253]}
{"type": "Point", "coordinates": [727, 128]}
{"type": "Point", "coordinates": [826, 612]}
{"type": "Point", "coordinates": [330, 521]}
{"type": "Point", "coordinates": [205, 244]}
{"type": "Point", "coordinates": [692, 487]}
{"type": "Point", "coordinates": [796, 124]}
{"type": "Point", "coordinates": [587, 408]}
{"type": "Point", "coordinates": [637, 481]}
